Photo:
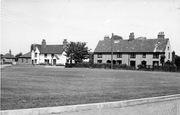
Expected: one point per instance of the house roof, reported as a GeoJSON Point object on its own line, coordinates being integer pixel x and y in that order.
{"type": "Point", "coordinates": [8, 56]}
{"type": "Point", "coordinates": [136, 45]}
{"type": "Point", "coordinates": [27, 55]}
{"type": "Point", "coordinates": [49, 49]}
{"type": "Point", "coordinates": [53, 49]}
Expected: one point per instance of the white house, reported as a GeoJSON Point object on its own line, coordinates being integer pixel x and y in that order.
{"type": "Point", "coordinates": [48, 54]}
{"type": "Point", "coordinates": [133, 51]}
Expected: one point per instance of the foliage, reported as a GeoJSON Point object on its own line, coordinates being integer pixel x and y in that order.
{"type": "Point", "coordinates": [77, 51]}
{"type": "Point", "coordinates": [177, 60]}
{"type": "Point", "coordinates": [19, 54]}
{"type": "Point", "coordinates": [162, 59]}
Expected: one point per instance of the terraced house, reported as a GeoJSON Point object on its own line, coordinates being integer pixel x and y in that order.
{"type": "Point", "coordinates": [48, 54]}
{"type": "Point", "coordinates": [133, 51]}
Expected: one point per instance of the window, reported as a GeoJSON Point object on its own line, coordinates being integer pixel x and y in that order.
{"type": "Point", "coordinates": [144, 55]}
{"type": "Point", "coordinates": [119, 55]}
{"type": "Point", "coordinates": [99, 55]}
{"type": "Point", "coordinates": [169, 55]}
{"type": "Point", "coordinates": [26, 60]}
{"type": "Point", "coordinates": [22, 59]}
{"type": "Point", "coordinates": [156, 55]}
{"type": "Point", "coordinates": [132, 63]}
{"type": "Point", "coordinates": [52, 55]}
{"type": "Point", "coordinates": [155, 63]}
{"type": "Point", "coordinates": [168, 48]}
{"type": "Point", "coordinates": [45, 55]}
{"type": "Point", "coordinates": [99, 61]}
{"type": "Point", "coordinates": [35, 61]}
{"type": "Point", "coordinates": [119, 62]}
{"type": "Point", "coordinates": [35, 54]}
{"type": "Point", "coordinates": [133, 56]}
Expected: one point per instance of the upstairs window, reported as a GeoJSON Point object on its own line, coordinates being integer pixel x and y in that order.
{"type": "Point", "coordinates": [144, 55]}
{"type": "Point", "coordinates": [156, 56]}
{"type": "Point", "coordinates": [52, 55]}
{"type": "Point", "coordinates": [45, 55]}
{"type": "Point", "coordinates": [35, 54]}
{"type": "Point", "coordinates": [119, 55]}
{"type": "Point", "coordinates": [133, 55]}
{"type": "Point", "coordinates": [99, 55]}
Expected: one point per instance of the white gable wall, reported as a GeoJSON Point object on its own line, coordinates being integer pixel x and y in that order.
{"type": "Point", "coordinates": [168, 52]}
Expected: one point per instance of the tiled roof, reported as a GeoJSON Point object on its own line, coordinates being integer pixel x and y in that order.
{"type": "Point", "coordinates": [145, 45]}
{"type": "Point", "coordinates": [49, 49]}
{"type": "Point", "coordinates": [8, 56]}
{"type": "Point", "coordinates": [27, 55]}
{"type": "Point", "coordinates": [53, 49]}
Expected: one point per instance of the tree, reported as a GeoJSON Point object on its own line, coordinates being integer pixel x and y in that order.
{"type": "Point", "coordinates": [77, 51]}
{"type": "Point", "coordinates": [162, 59]}
{"type": "Point", "coordinates": [18, 55]}
{"type": "Point", "coordinates": [177, 60]}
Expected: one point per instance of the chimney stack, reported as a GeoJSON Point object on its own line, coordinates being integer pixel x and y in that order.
{"type": "Point", "coordinates": [10, 51]}
{"type": "Point", "coordinates": [131, 36]}
{"type": "Point", "coordinates": [106, 37]}
{"type": "Point", "coordinates": [65, 43]}
{"type": "Point", "coordinates": [43, 44]}
{"type": "Point", "coordinates": [161, 35]}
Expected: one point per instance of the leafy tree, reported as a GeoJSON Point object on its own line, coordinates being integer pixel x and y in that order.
{"type": "Point", "coordinates": [177, 60]}
{"type": "Point", "coordinates": [18, 55]}
{"type": "Point", "coordinates": [77, 51]}
{"type": "Point", "coordinates": [162, 59]}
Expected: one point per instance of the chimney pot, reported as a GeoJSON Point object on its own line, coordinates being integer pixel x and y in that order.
{"type": "Point", "coordinates": [161, 35]}
{"type": "Point", "coordinates": [43, 44]}
{"type": "Point", "coordinates": [65, 43]}
{"type": "Point", "coordinates": [106, 37]}
{"type": "Point", "coordinates": [131, 36]}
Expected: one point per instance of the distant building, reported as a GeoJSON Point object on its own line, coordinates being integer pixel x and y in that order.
{"type": "Point", "coordinates": [8, 58]}
{"type": "Point", "coordinates": [133, 51]}
{"type": "Point", "coordinates": [48, 54]}
{"type": "Point", "coordinates": [25, 59]}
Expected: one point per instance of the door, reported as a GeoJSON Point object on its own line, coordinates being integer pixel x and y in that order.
{"type": "Point", "coordinates": [54, 61]}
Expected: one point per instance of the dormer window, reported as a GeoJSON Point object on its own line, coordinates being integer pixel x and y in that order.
{"type": "Point", "coordinates": [52, 55]}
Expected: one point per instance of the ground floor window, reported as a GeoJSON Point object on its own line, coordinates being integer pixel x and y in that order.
{"type": "Point", "coordinates": [155, 63]}
{"type": "Point", "coordinates": [143, 63]}
{"type": "Point", "coordinates": [119, 62]}
{"type": "Point", "coordinates": [46, 61]}
{"type": "Point", "coordinates": [132, 63]}
{"type": "Point", "coordinates": [35, 61]}
{"type": "Point", "coordinates": [99, 61]}
{"type": "Point", "coordinates": [108, 61]}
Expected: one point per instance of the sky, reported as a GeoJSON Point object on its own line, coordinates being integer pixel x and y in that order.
{"type": "Point", "coordinates": [25, 22]}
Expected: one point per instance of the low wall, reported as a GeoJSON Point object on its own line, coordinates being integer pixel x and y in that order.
{"type": "Point", "coordinates": [164, 105]}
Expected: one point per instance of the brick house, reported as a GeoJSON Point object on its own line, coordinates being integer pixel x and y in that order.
{"type": "Point", "coordinates": [48, 54]}
{"type": "Point", "coordinates": [133, 51]}
{"type": "Point", "coordinates": [25, 59]}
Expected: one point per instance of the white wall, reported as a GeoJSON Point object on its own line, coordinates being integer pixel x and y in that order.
{"type": "Point", "coordinates": [126, 58]}
{"type": "Point", "coordinates": [167, 51]}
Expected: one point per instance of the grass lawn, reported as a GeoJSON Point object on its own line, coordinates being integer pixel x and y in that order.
{"type": "Point", "coordinates": [36, 86]}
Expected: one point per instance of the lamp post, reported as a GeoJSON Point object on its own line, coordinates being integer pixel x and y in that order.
{"type": "Point", "coordinates": [112, 39]}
